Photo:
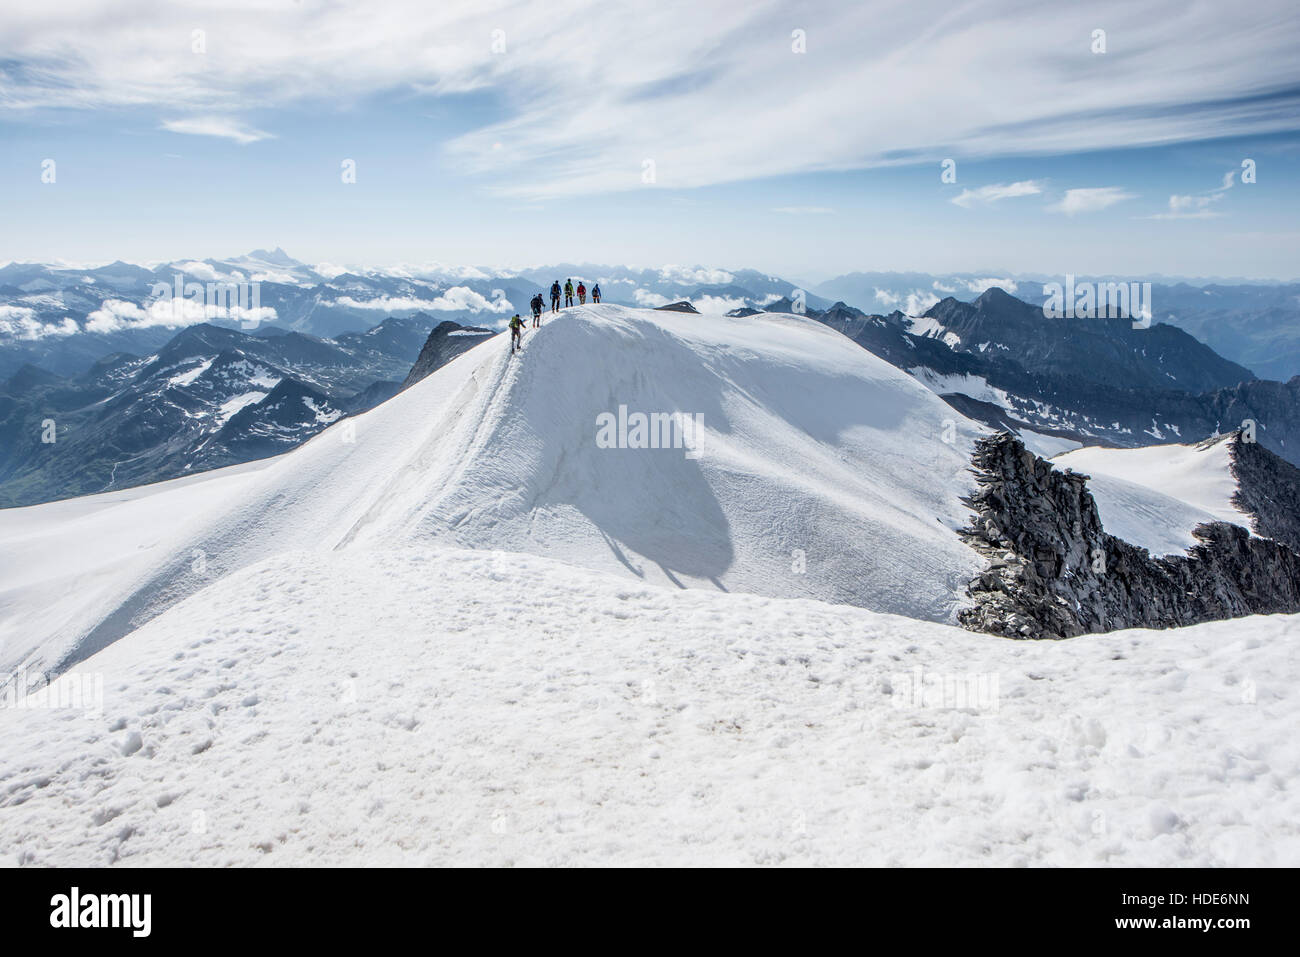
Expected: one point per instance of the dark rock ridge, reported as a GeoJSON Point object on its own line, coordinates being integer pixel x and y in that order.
{"type": "Point", "coordinates": [1054, 572]}
{"type": "Point", "coordinates": [1111, 351]}
{"type": "Point", "coordinates": [1099, 384]}
{"type": "Point", "coordinates": [682, 306]}
{"type": "Point", "coordinates": [447, 340]}
{"type": "Point", "coordinates": [1268, 487]}
{"type": "Point", "coordinates": [1254, 324]}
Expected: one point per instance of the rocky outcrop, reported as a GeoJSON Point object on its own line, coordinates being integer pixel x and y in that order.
{"type": "Point", "coordinates": [447, 340]}
{"type": "Point", "coordinates": [1268, 487]}
{"type": "Point", "coordinates": [682, 306]}
{"type": "Point", "coordinates": [1054, 572]}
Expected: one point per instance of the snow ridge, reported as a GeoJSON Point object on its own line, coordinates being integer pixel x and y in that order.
{"type": "Point", "coordinates": [825, 473]}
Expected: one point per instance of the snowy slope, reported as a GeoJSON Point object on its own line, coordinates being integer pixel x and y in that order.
{"type": "Point", "coordinates": [1155, 496]}
{"type": "Point", "coordinates": [431, 706]}
{"type": "Point", "coordinates": [823, 473]}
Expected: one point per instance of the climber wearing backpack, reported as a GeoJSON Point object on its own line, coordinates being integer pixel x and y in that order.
{"type": "Point", "coordinates": [582, 293]}
{"type": "Point", "coordinates": [516, 334]}
{"type": "Point", "coordinates": [595, 293]}
{"type": "Point", "coordinates": [555, 296]}
{"type": "Point", "coordinates": [537, 304]}
{"type": "Point", "coordinates": [568, 293]}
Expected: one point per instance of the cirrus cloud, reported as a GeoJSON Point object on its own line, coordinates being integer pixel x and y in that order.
{"type": "Point", "coordinates": [1198, 205]}
{"type": "Point", "coordinates": [1180, 75]}
{"type": "Point", "coordinates": [1089, 199]}
{"type": "Point", "coordinates": [988, 195]}
{"type": "Point", "coordinates": [225, 127]}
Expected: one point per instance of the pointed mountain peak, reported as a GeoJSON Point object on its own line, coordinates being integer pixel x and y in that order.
{"type": "Point", "coordinates": [944, 307]}
{"type": "Point", "coordinates": [994, 295]}
{"type": "Point", "coordinates": [276, 257]}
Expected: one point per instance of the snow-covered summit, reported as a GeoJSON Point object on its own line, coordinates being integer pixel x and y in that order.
{"type": "Point", "coordinates": [814, 470]}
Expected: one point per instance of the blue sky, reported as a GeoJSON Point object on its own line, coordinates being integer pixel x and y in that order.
{"type": "Point", "coordinates": [529, 145]}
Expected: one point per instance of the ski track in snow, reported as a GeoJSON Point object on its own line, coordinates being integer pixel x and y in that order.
{"type": "Point", "coordinates": [439, 706]}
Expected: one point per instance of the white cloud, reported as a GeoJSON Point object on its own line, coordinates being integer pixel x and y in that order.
{"type": "Point", "coordinates": [330, 270]}
{"type": "Point", "coordinates": [283, 278]}
{"type": "Point", "coordinates": [695, 276]}
{"type": "Point", "coordinates": [200, 270]}
{"type": "Point", "coordinates": [455, 299]}
{"type": "Point", "coordinates": [980, 285]}
{"type": "Point", "coordinates": [1198, 205]}
{"type": "Point", "coordinates": [225, 127]}
{"type": "Point", "coordinates": [652, 300]}
{"type": "Point", "coordinates": [887, 298]}
{"type": "Point", "coordinates": [1192, 207]}
{"type": "Point", "coordinates": [16, 312]}
{"type": "Point", "coordinates": [20, 322]}
{"type": "Point", "coordinates": [918, 302]}
{"type": "Point", "coordinates": [940, 287]}
{"type": "Point", "coordinates": [987, 195]}
{"type": "Point", "coordinates": [1089, 200]}
{"type": "Point", "coordinates": [437, 270]}
{"type": "Point", "coordinates": [116, 315]}
{"type": "Point", "coordinates": [713, 81]}
{"type": "Point", "coordinates": [716, 305]}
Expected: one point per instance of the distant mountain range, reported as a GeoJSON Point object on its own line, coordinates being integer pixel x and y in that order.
{"type": "Point", "coordinates": [64, 319]}
{"type": "Point", "coordinates": [1065, 382]}
{"type": "Point", "coordinates": [138, 395]}
{"type": "Point", "coordinates": [209, 397]}
{"type": "Point", "coordinates": [1256, 324]}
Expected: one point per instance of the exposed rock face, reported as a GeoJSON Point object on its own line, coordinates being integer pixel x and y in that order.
{"type": "Point", "coordinates": [1109, 351]}
{"type": "Point", "coordinates": [1054, 572]}
{"type": "Point", "coordinates": [447, 340]}
{"type": "Point", "coordinates": [1102, 383]}
{"type": "Point", "coordinates": [1268, 487]}
{"type": "Point", "coordinates": [682, 306]}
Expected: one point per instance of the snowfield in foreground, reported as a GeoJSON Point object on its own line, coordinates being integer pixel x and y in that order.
{"type": "Point", "coordinates": [440, 706]}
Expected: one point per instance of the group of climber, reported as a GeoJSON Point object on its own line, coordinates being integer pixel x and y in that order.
{"type": "Point", "coordinates": [568, 295]}
{"type": "Point", "coordinates": [537, 303]}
